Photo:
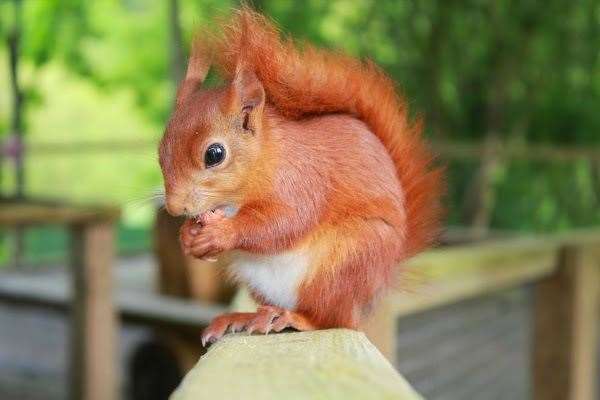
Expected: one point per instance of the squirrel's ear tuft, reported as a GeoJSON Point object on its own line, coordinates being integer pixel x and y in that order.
{"type": "Point", "coordinates": [200, 58]}
{"type": "Point", "coordinates": [197, 69]}
{"type": "Point", "coordinates": [248, 92]}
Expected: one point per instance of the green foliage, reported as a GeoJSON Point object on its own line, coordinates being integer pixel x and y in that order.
{"type": "Point", "coordinates": [525, 71]}
{"type": "Point", "coordinates": [457, 61]}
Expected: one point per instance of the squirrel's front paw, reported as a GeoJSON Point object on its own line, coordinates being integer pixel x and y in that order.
{"type": "Point", "coordinates": [212, 234]}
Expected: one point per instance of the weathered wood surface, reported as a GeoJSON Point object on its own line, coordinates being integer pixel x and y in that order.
{"type": "Point", "coordinates": [331, 364]}
{"type": "Point", "coordinates": [567, 311]}
{"type": "Point", "coordinates": [446, 275]}
{"type": "Point", "coordinates": [474, 349]}
{"type": "Point", "coordinates": [451, 274]}
{"type": "Point", "coordinates": [94, 324]}
{"type": "Point", "coordinates": [439, 277]}
{"type": "Point", "coordinates": [432, 279]}
{"type": "Point", "coordinates": [52, 291]}
{"type": "Point", "coordinates": [36, 213]}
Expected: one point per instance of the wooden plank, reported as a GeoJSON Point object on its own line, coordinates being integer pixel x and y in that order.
{"type": "Point", "coordinates": [566, 328]}
{"type": "Point", "coordinates": [446, 275]}
{"type": "Point", "coordinates": [329, 364]}
{"type": "Point", "coordinates": [141, 307]}
{"type": "Point", "coordinates": [31, 213]}
{"type": "Point", "coordinates": [29, 290]}
{"type": "Point", "coordinates": [166, 311]}
{"type": "Point", "coordinates": [94, 324]}
{"type": "Point", "coordinates": [586, 321]}
{"type": "Point", "coordinates": [472, 257]}
{"type": "Point", "coordinates": [462, 286]}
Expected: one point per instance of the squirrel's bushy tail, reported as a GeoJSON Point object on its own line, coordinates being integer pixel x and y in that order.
{"type": "Point", "coordinates": [303, 80]}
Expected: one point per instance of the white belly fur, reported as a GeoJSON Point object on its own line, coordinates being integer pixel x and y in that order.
{"type": "Point", "coordinates": [275, 277]}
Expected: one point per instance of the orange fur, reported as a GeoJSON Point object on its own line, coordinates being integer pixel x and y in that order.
{"type": "Point", "coordinates": [311, 81]}
{"type": "Point", "coordinates": [322, 164]}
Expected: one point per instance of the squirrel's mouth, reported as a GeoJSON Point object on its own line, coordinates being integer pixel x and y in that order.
{"type": "Point", "coordinates": [229, 209]}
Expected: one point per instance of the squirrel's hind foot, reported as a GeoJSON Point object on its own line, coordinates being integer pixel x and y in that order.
{"type": "Point", "coordinates": [266, 319]}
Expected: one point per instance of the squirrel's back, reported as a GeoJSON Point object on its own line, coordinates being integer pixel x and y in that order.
{"type": "Point", "coordinates": [310, 81]}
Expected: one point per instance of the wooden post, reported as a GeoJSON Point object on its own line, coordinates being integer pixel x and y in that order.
{"type": "Point", "coordinates": [94, 323]}
{"type": "Point", "coordinates": [566, 328]}
{"type": "Point", "coordinates": [381, 329]}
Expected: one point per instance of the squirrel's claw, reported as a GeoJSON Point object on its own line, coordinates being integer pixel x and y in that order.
{"type": "Point", "coordinates": [266, 319]}
{"type": "Point", "coordinates": [232, 322]}
{"type": "Point", "coordinates": [263, 322]}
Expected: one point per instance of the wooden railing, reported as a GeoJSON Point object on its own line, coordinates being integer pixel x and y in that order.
{"type": "Point", "coordinates": [332, 364]}
{"type": "Point", "coordinates": [563, 269]}
{"type": "Point", "coordinates": [94, 326]}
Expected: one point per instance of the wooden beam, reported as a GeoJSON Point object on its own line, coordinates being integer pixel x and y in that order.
{"type": "Point", "coordinates": [566, 328]}
{"type": "Point", "coordinates": [447, 275]}
{"type": "Point", "coordinates": [138, 307]}
{"type": "Point", "coordinates": [166, 311]}
{"type": "Point", "coordinates": [94, 328]}
{"type": "Point", "coordinates": [436, 292]}
{"type": "Point", "coordinates": [26, 213]}
{"type": "Point", "coordinates": [330, 364]}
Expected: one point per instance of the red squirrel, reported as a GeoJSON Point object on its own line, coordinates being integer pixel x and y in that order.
{"type": "Point", "coordinates": [305, 168]}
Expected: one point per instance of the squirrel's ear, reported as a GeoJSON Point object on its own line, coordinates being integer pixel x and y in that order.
{"type": "Point", "coordinates": [248, 92]}
{"type": "Point", "coordinates": [197, 69]}
{"type": "Point", "coordinates": [199, 61]}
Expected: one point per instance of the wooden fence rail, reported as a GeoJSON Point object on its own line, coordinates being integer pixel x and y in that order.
{"type": "Point", "coordinates": [563, 269]}
{"type": "Point", "coordinates": [331, 364]}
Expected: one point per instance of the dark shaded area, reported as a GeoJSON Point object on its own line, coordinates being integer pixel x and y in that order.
{"type": "Point", "coordinates": [154, 372]}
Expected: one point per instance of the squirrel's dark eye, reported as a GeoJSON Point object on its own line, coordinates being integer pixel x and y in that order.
{"type": "Point", "coordinates": [214, 155]}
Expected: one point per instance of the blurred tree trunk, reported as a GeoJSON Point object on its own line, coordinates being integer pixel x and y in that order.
{"type": "Point", "coordinates": [177, 57]}
{"type": "Point", "coordinates": [480, 197]}
{"type": "Point", "coordinates": [434, 50]}
{"type": "Point", "coordinates": [16, 124]}
{"type": "Point", "coordinates": [506, 62]}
